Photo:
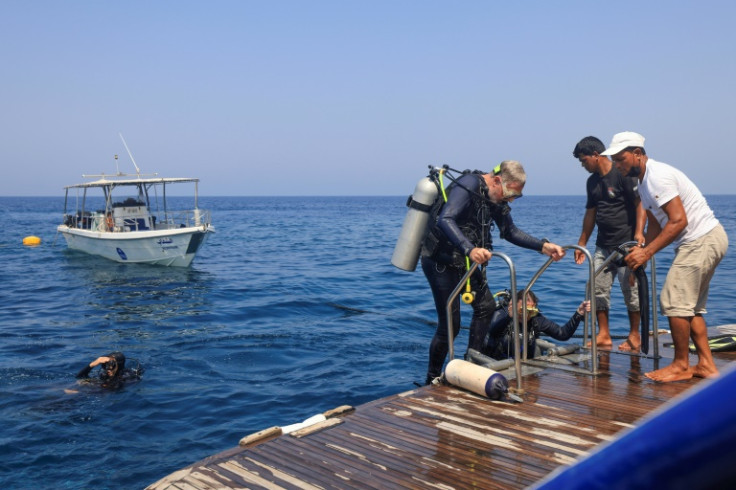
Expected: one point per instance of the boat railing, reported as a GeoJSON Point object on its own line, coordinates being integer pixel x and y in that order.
{"type": "Point", "coordinates": [521, 334]}
{"type": "Point", "coordinates": [133, 224]}
{"type": "Point", "coordinates": [514, 315]}
{"type": "Point", "coordinates": [87, 220]}
{"type": "Point", "coordinates": [95, 221]}
{"type": "Point", "coordinates": [590, 318]}
{"type": "Point", "coordinates": [616, 255]}
{"type": "Point", "coordinates": [183, 219]}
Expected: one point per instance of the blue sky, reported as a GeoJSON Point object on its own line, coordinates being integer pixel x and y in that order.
{"type": "Point", "coordinates": [358, 98]}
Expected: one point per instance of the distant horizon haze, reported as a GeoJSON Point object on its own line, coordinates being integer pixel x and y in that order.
{"type": "Point", "coordinates": [359, 98]}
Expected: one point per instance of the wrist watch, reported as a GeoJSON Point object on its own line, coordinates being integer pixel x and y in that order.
{"type": "Point", "coordinates": [544, 240]}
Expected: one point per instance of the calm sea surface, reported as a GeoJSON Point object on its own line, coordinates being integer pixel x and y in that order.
{"type": "Point", "coordinates": [290, 309]}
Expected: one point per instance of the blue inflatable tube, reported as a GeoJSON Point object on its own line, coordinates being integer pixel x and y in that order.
{"type": "Point", "coordinates": [688, 443]}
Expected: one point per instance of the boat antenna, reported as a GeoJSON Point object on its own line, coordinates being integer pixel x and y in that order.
{"type": "Point", "coordinates": [137, 170]}
{"type": "Point", "coordinates": [116, 164]}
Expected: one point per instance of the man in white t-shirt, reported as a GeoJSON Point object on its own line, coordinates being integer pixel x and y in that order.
{"type": "Point", "coordinates": [678, 214]}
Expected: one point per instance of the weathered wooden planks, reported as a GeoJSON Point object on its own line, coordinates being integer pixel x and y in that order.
{"type": "Point", "coordinates": [443, 437]}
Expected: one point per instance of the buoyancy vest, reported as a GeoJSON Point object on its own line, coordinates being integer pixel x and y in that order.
{"type": "Point", "coordinates": [476, 223]}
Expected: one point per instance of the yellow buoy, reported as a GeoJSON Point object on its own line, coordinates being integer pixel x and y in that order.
{"type": "Point", "coordinates": [31, 241]}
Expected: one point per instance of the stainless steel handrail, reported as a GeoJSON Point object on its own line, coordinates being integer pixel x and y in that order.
{"type": "Point", "coordinates": [514, 316]}
{"type": "Point", "coordinates": [590, 319]}
{"type": "Point", "coordinates": [448, 310]}
{"type": "Point", "coordinates": [589, 294]}
{"type": "Point", "coordinates": [654, 320]}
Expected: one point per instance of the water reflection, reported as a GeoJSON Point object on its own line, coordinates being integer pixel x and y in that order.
{"type": "Point", "coordinates": [134, 292]}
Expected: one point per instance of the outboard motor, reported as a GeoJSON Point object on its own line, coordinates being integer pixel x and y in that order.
{"type": "Point", "coordinates": [409, 244]}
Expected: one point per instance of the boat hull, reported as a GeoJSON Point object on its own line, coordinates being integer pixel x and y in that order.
{"type": "Point", "coordinates": [172, 247]}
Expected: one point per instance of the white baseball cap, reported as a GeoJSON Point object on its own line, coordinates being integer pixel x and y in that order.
{"type": "Point", "coordinates": [621, 141]}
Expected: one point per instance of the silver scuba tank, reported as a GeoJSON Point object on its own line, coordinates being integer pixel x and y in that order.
{"type": "Point", "coordinates": [409, 244]}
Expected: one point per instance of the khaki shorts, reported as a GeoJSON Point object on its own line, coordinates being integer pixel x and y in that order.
{"type": "Point", "coordinates": [685, 290]}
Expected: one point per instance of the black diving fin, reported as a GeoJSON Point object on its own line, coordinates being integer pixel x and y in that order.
{"type": "Point", "coordinates": [719, 343]}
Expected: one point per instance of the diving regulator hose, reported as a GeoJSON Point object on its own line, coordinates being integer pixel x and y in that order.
{"type": "Point", "coordinates": [469, 295]}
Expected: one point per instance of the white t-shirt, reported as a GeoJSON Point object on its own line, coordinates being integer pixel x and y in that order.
{"type": "Point", "coordinates": [660, 185]}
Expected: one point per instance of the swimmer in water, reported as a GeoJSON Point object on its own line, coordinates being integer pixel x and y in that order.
{"type": "Point", "coordinates": [113, 374]}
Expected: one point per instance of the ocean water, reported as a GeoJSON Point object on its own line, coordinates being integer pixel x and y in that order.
{"type": "Point", "coordinates": [290, 309]}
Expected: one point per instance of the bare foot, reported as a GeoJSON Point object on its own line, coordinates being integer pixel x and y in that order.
{"type": "Point", "coordinates": [670, 373]}
{"type": "Point", "coordinates": [701, 371]}
{"type": "Point", "coordinates": [603, 341]}
{"type": "Point", "coordinates": [629, 346]}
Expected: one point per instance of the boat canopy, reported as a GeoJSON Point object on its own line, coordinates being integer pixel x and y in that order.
{"type": "Point", "coordinates": [106, 181]}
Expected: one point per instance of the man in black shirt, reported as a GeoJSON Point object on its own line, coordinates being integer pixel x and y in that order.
{"type": "Point", "coordinates": [613, 204]}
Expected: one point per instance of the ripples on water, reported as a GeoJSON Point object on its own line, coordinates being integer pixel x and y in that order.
{"type": "Point", "coordinates": [290, 309]}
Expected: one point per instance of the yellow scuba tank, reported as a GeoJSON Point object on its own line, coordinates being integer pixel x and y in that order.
{"type": "Point", "coordinates": [409, 244]}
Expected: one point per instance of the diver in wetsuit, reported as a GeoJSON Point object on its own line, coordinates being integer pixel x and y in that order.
{"type": "Point", "coordinates": [499, 342]}
{"type": "Point", "coordinates": [113, 373]}
{"type": "Point", "coordinates": [461, 233]}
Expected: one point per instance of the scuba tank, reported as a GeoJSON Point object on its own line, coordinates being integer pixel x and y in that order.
{"type": "Point", "coordinates": [477, 379]}
{"type": "Point", "coordinates": [409, 244]}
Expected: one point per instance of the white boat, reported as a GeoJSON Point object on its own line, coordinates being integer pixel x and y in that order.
{"type": "Point", "coordinates": [126, 218]}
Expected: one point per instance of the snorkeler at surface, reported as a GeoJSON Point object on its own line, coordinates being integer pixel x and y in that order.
{"type": "Point", "coordinates": [113, 374]}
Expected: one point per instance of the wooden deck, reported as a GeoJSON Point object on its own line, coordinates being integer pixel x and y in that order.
{"type": "Point", "coordinates": [444, 437]}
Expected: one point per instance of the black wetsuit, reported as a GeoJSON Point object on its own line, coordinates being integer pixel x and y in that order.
{"type": "Point", "coordinates": [112, 382]}
{"type": "Point", "coordinates": [499, 342]}
{"type": "Point", "coordinates": [464, 223]}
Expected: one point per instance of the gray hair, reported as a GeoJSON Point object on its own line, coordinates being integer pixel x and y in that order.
{"type": "Point", "coordinates": [511, 172]}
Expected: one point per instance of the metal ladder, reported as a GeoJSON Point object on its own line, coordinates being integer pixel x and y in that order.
{"type": "Point", "coordinates": [589, 319]}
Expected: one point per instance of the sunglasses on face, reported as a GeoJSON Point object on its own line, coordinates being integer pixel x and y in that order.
{"type": "Point", "coordinates": [508, 194]}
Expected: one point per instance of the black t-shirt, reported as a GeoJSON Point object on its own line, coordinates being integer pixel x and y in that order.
{"type": "Point", "coordinates": [615, 198]}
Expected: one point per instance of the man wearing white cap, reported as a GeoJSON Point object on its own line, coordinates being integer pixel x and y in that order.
{"type": "Point", "coordinates": [678, 214]}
